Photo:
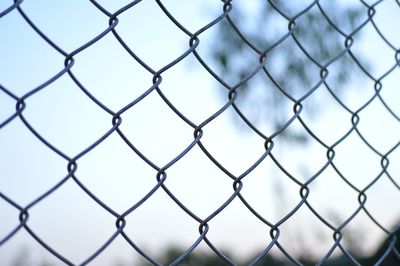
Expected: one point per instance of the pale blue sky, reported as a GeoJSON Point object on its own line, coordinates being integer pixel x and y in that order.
{"type": "Point", "coordinates": [71, 122]}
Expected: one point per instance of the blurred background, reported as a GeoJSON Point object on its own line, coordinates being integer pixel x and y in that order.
{"type": "Point", "coordinates": [343, 114]}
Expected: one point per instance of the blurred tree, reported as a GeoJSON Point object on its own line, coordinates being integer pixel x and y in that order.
{"type": "Point", "coordinates": [287, 66]}
{"type": "Point", "coordinates": [293, 62]}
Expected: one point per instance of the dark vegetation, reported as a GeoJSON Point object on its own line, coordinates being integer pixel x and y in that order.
{"type": "Point", "coordinates": [385, 254]}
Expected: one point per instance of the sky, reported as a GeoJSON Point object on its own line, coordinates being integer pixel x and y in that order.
{"type": "Point", "coordinates": [74, 225]}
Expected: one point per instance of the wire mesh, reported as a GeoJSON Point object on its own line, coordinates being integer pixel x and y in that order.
{"type": "Point", "coordinates": [150, 84]}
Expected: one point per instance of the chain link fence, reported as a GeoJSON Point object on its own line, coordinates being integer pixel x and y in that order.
{"type": "Point", "coordinates": [124, 134]}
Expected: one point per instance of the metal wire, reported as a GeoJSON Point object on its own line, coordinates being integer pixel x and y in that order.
{"type": "Point", "coordinates": [199, 129]}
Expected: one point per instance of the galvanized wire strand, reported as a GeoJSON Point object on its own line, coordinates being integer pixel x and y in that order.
{"type": "Point", "coordinates": [233, 92]}
{"type": "Point", "coordinates": [236, 86]}
{"type": "Point", "coordinates": [237, 190]}
{"type": "Point", "coordinates": [72, 162]}
{"type": "Point", "coordinates": [356, 129]}
{"type": "Point", "coordinates": [157, 76]}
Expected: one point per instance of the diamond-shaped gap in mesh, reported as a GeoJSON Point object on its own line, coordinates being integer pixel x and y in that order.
{"type": "Point", "coordinates": [293, 80]}
{"type": "Point", "coordinates": [304, 237]}
{"type": "Point", "coordinates": [192, 91]}
{"type": "Point", "coordinates": [29, 168]}
{"type": "Point", "coordinates": [234, 150]}
{"type": "Point", "coordinates": [116, 174]}
{"type": "Point", "coordinates": [160, 223]}
{"type": "Point", "coordinates": [318, 37]}
{"type": "Point", "coordinates": [356, 161]}
{"type": "Point", "coordinates": [25, 67]}
{"type": "Point", "coordinates": [158, 41]}
{"type": "Point", "coordinates": [238, 231]}
{"type": "Point", "coordinates": [66, 117]}
{"type": "Point", "coordinates": [75, 233]}
{"type": "Point", "coordinates": [352, 89]}
{"type": "Point", "coordinates": [373, 125]}
{"type": "Point", "coordinates": [257, 100]}
{"type": "Point", "coordinates": [261, 190]}
{"type": "Point", "coordinates": [191, 66]}
{"type": "Point", "coordinates": [156, 130]}
{"type": "Point", "coordinates": [69, 18]}
{"type": "Point", "coordinates": [283, 193]}
{"type": "Point", "coordinates": [378, 61]}
{"type": "Point", "coordinates": [198, 183]}
{"type": "Point", "coordinates": [320, 109]}
{"type": "Point", "coordinates": [240, 59]}
{"type": "Point", "coordinates": [332, 198]}
{"type": "Point", "coordinates": [110, 74]}
{"type": "Point", "coordinates": [302, 158]}
{"type": "Point", "coordinates": [380, 202]}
